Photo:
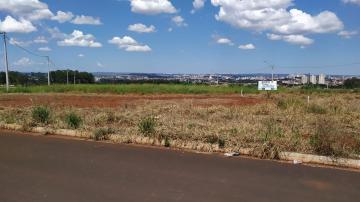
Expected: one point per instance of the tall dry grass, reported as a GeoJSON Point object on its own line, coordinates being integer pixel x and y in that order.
{"type": "Point", "coordinates": [328, 125]}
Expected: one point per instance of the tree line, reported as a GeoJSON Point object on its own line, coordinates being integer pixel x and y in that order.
{"type": "Point", "coordinates": [352, 83]}
{"type": "Point", "coordinates": [56, 77]}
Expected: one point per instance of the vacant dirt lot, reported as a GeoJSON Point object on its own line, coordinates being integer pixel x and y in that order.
{"type": "Point", "coordinates": [112, 101]}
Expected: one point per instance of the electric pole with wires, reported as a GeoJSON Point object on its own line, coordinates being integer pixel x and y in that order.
{"type": "Point", "coordinates": [48, 63]}
{"type": "Point", "coordinates": [6, 62]}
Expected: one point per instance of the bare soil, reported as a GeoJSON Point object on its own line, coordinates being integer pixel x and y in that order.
{"type": "Point", "coordinates": [112, 101]}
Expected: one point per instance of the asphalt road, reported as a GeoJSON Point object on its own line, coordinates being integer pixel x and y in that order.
{"type": "Point", "coordinates": [34, 168]}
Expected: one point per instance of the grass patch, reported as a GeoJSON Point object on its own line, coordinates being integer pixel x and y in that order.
{"type": "Point", "coordinates": [41, 114]}
{"type": "Point", "coordinates": [316, 109]}
{"type": "Point", "coordinates": [137, 89]}
{"type": "Point", "coordinates": [147, 125]}
{"type": "Point", "coordinates": [73, 120]}
{"type": "Point", "coordinates": [284, 123]}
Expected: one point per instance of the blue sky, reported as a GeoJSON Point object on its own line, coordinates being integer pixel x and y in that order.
{"type": "Point", "coordinates": [185, 36]}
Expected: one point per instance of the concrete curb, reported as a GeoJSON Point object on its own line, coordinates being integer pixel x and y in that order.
{"type": "Point", "coordinates": [315, 159]}
{"type": "Point", "coordinates": [285, 156]}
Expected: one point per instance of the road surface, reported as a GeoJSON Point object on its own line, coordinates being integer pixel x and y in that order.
{"type": "Point", "coordinates": [43, 168]}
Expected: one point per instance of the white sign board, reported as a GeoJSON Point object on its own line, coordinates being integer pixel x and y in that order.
{"type": "Point", "coordinates": [267, 85]}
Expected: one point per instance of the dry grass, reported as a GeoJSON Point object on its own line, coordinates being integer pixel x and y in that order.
{"type": "Point", "coordinates": [329, 125]}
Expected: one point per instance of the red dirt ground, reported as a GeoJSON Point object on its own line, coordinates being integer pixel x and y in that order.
{"type": "Point", "coordinates": [111, 101]}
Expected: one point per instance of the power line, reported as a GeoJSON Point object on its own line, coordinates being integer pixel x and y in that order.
{"type": "Point", "coordinates": [24, 49]}
{"type": "Point", "coordinates": [34, 54]}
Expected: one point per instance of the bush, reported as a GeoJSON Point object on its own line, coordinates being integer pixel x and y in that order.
{"type": "Point", "coordinates": [41, 114]}
{"type": "Point", "coordinates": [147, 126]}
{"type": "Point", "coordinates": [73, 120]}
{"type": "Point", "coordinates": [102, 134]}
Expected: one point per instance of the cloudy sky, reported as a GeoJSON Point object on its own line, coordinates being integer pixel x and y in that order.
{"type": "Point", "coordinates": [185, 36]}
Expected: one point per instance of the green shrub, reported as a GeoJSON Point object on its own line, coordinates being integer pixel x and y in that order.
{"type": "Point", "coordinates": [41, 114]}
{"type": "Point", "coordinates": [147, 126]}
{"type": "Point", "coordinates": [102, 134]}
{"type": "Point", "coordinates": [73, 120]}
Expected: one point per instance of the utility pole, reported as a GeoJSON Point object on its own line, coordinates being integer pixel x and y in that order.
{"type": "Point", "coordinates": [272, 69]}
{"type": "Point", "coordinates": [6, 62]}
{"type": "Point", "coordinates": [74, 77]}
{"type": "Point", "coordinates": [67, 76]}
{"type": "Point", "coordinates": [48, 61]}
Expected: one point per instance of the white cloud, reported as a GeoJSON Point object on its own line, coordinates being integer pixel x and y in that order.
{"type": "Point", "coordinates": [40, 39]}
{"type": "Point", "coordinates": [23, 62]}
{"type": "Point", "coordinates": [352, 1]}
{"type": "Point", "coordinates": [179, 21]}
{"type": "Point", "coordinates": [293, 39]}
{"type": "Point", "coordinates": [224, 41]}
{"type": "Point", "coordinates": [152, 7]}
{"type": "Point", "coordinates": [55, 33]}
{"type": "Point", "coordinates": [81, 55]}
{"type": "Point", "coordinates": [347, 34]}
{"type": "Point", "coordinates": [14, 41]}
{"type": "Point", "coordinates": [86, 20]}
{"type": "Point", "coordinates": [129, 44]}
{"type": "Point", "coordinates": [198, 4]}
{"type": "Point", "coordinates": [44, 49]}
{"type": "Point", "coordinates": [62, 17]}
{"type": "Point", "coordinates": [20, 26]}
{"type": "Point", "coordinates": [249, 46]}
{"type": "Point", "coordinates": [78, 38]}
{"type": "Point", "coordinates": [27, 9]}
{"type": "Point", "coordinates": [141, 28]}
{"type": "Point", "coordinates": [262, 15]}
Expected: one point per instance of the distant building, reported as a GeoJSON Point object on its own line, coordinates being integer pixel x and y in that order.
{"type": "Point", "coordinates": [322, 79]}
{"type": "Point", "coordinates": [313, 79]}
{"type": "Point", "coordinates": [304, 79]}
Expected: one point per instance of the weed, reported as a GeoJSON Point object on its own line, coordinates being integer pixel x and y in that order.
{"type": "Point", "coordinates": [215, 139]}
{"type": "Point", "coordinates": [325, 137]}
{"type": "Point", "coordinates": [147, 126]}
{"type": "Point", "coordinates": [73, 120]}
{"type": "Point", "coordinates": [167, 141]}
{"type": "Point", "coordinates": [9, 118]}
{"type": "Point", "coordinates": [271, 130]}
{"type": "Point", "coordinates": [287, 103]}
{"type": "Point", "coordinates": [41, 114]}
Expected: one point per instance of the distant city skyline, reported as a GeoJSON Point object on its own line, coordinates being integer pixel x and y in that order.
{"type": "Point", "coordinates": [184, 36]}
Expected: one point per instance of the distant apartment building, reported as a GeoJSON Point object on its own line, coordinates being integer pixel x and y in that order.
{"type": "Point", "coordinates": [313, 79]}
{"type": "Point", "coordinates": [304, 79]}
{"type": "Point", "coordinates": [321, 79]}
